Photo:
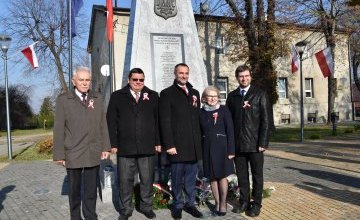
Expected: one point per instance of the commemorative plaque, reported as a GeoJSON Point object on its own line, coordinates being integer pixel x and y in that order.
{"type": "Point", "coordinates": [167, 51]}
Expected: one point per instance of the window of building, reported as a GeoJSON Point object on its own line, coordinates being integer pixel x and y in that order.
{"type": "Point", "coordinates": [222, 84]}
{"type": "Point", "coordinates": [309, 88]}
{"type": "Point", "coordinates": [282, 87]}
{"type": "Point", "coordinates": [220, 45]}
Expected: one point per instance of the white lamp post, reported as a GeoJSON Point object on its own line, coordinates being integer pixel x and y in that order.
{"type": "Point", "coordinates": [5, 44]}
{"type": "Point", "coordinates": [301, 48]}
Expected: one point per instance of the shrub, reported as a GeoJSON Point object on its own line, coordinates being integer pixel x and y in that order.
{"type": "Point", "coordinates": [357, 127]}
{"type": "Point", "coordinates": [315, 136]}
{"type": "Point", "coordinates": [266, 193]}
{"type": "Point", "coordinates": [348, 130]}
{"type": "Point", "coordinates": [45, 146]}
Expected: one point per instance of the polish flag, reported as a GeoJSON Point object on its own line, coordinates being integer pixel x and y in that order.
{"type": "Point", "coordinates": [30, 54]}
{"type": "Point", "coordinates": [295, 61]}
{"type": "Point", "coordinates": [109, 22]}
{"type": "Point", "coordinates": [325, 61]}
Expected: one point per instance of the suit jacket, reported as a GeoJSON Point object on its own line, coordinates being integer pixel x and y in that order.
{"type": "Point", "coordinates": [133, 127]}
{"type": "Point", "coordinates": [252, 121]}
{"type": "Point", "coordinates": [80, 130]}
{"type": "Point", "coordinates": [180, 122]}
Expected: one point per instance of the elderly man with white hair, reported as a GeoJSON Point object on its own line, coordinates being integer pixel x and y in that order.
{"type": "Point", "coordinates": [81, 140]}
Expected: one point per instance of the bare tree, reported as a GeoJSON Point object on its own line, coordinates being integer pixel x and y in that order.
{"type": "Point", "coordinates": [258, 22]}
{"type": "Point", "coordinates": [44, 21]}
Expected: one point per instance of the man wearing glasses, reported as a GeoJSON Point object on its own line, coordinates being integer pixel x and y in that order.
{"type": "Point", "coordinates": [132, 117]}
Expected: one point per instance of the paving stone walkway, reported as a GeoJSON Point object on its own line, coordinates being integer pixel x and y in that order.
{"type": "Point", "coordinates": [313, 180]}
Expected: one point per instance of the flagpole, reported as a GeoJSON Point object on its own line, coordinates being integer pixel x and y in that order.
{"type": "Point", "coordinates": [70, 42]}
{"type": "Point", "coordinates": [112, 77]}
{"type": "Point", "coordinates": [110, 37]}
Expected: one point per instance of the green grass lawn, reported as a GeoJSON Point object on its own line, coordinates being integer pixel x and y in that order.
{"type": "Point", "coordinates": [281, 134]}
{"type": "Point", "coordinates": [285, 134]}
{"type": "Point", "coordinates": [26, 132]}
{"type": "Point", "coordinates": [27, 154]}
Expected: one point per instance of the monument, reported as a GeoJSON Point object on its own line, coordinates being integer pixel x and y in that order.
{"type": "Point", "coordinates": [162, 33]}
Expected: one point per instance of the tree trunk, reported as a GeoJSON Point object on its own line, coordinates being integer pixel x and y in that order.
{"type": "Point", "coordinates": [328, 23]}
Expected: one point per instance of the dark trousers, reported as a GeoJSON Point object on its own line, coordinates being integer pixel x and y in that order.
{"type": "Point", "coordinates": [89, 177]}
{"type": "Point", "coordinates": [256, 161]}
{"type": "Point", "coordinates": [183, 174]}
{"type": "Point", "coordinates": [127, 168]}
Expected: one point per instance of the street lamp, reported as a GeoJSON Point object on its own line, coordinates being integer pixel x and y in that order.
{"type": "Point", "coordinates": [5, 44]}
{"type": "Point", "coordinates": [204, 7]}
{"type": "Point", "coordinates": [301, 47]}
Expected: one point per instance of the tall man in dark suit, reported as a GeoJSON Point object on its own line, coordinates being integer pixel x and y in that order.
{"type": "Point", "coordinates": [180, 132]}
{"type": "Point", "coordinates": [133, 127]}
{"type": "Point", "coordinates": [81, 139]}
{"type": "Point", "coordinates": [250, 108]}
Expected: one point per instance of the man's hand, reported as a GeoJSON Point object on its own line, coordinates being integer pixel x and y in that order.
{"type": "Point", "coordinates": [104, 155]}
{"type": "Point", "coordinates": [114, 150]}
{"type": "Point", "coordinates": [60, 162]}
{"type": "Point", "coordinates": [262, 149]}
{"type": "Point", "coordinates": [158, 148]}
{"type": "Point", "coordinates": [172, 151]}
{"type": "Point", "coordinates": [231, 156]}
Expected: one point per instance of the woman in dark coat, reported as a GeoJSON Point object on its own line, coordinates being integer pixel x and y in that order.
{"type": "Point", "coordinates": [218, 146]}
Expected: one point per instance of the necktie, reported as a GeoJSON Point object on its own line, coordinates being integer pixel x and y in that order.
{"type": "Point", "coordinates": [242, 93]}
{"type": "Point", "coordinates": [137, 96]}
{"type": "Point", "coordinates": [83, 95]}
{"type": "Point", "coordinates": [185, 90]}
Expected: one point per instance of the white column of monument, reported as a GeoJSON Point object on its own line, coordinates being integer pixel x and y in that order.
{"type": "Point", "coordinates": [161, 34]}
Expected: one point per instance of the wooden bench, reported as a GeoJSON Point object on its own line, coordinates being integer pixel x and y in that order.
{"type": "Point", "coordinates": [285, 118]}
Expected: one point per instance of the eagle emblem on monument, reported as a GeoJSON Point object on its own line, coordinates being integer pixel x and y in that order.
{"type": "Point", "coordinates": [165, 8]}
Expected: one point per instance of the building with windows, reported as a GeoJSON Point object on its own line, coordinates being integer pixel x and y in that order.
{"type": "Point", "coordinates": [216, 54]}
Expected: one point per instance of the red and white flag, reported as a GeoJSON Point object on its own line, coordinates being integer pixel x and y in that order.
{"type": "Point", "coordinates": [109, 22]}
{"type": "Point", "coordinates": [30, 54]}
{"type": "Point", "coordinates": [295, 61]}
{"type": "Point", "coordinates": [325, 61]}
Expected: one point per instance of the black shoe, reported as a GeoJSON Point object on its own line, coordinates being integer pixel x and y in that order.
{"type": "Point", "coordinates": [149, 214]}
{"type": "Point", "coordinates": [214, 213]}
{"type": "Point", "coordinates": [192, 210]}
{"type": "Point", "coordinates": [242, 208]}
{"type": "Point", "coordinates": [254, 210]}
{"type": "Point", "coordinates": [176, 213]}
{"type": "Point", "coordinates": [123, 217]}
{"type": "Point", "coordinates": [218, 213]}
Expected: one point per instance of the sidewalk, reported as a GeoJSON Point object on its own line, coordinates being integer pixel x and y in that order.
{"type": "Point", "coordinates": [313, 180]}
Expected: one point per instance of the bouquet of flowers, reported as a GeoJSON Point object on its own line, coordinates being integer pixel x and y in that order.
{"type": "Point", "coordinates": [203, 190]}
{"type": "Point", "coordinates": [234, 192]}
{"type": "Point", "coordinates": [162, 196]}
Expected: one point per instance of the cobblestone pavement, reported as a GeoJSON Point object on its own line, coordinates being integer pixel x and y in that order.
{"type": "Point", "coordinates": [306, 187]}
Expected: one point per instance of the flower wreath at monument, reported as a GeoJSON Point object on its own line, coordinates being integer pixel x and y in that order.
{"type": "Point", "coordinates": [163, 197]}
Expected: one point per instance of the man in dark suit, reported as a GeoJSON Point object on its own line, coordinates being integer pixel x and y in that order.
{"type": "Point", "coordinates": [81, 139]}
{"type": "Point", "coordinates": [181, 138]}
{"type": "Point", "coordinates": [250, 108]}
{"type": "Point", "coordinates": [133, 127]}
